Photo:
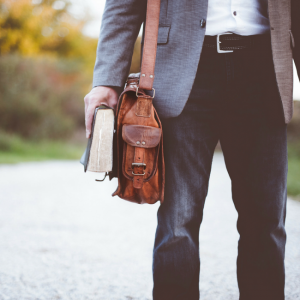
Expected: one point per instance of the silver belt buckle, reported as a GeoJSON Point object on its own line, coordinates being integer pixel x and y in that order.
{"type": "Point", "coordinates": [219, 42]}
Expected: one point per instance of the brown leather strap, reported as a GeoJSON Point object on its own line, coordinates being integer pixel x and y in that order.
{"type": "Point", "coordinates": [146, 83]}
{"type": "Point", "coordinates": [150, 45]}
{"type": "Point", "coordinates": [139, 169]}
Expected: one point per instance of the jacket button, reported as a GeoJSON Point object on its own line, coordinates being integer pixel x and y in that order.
{"type": "Point", "coordinates": [202, 23]}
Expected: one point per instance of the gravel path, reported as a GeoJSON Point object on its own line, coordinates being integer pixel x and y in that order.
{"type": "Point", "coordinates": [62, 236]}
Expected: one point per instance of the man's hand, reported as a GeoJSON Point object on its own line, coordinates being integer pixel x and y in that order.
{"type": "Point", "coordinates": [97, 96]}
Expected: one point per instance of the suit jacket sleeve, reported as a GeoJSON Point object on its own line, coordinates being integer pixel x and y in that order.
{"type": "Point", "coordinates": [120, 26]}
{"type": "Point", "coordinates": [296, 33]}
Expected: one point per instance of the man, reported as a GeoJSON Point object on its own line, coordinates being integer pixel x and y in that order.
{"type": "Point", "coordinates": [239, 93]}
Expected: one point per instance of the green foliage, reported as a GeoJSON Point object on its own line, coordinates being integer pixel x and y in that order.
{"type": "Point", "coordinates": [294, 152]}
{"type": "Point", "coordinates": [294, 125]}
{"type": "Point", "coordinates": [293, 183]}
{"type": "Point", "coordinates": [41, 98]}
{"type": "Point", "coordinates": [46, 66]}
{"type": "Point", "coordinates": [45, 28]}
{"type": "Point", "coordinates": [136, 59]}
{"type": "Point", "coordinates": [14, 149]}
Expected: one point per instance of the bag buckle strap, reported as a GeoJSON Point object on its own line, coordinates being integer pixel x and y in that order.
{"type": "Point", "coordinates": [138, 165]}
{"type": "Point", "coordinates": [219, 42]}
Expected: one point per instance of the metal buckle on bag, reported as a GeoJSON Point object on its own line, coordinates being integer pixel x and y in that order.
{"type": "Point", "coordinates": [138, 165]}
{"type": "Point", "coordinates": [219, 42]}
{"type": "Point", "coordinates": [137, 92]}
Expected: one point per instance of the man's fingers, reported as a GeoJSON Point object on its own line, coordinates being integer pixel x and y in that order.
{"type": "Point", "coordinates": [97, 96]}
{"type": "Point", "coordinates": [86, 104]}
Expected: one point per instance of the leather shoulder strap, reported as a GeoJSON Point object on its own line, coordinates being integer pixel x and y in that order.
{"type": "Point", "coordinates": [150, 45]}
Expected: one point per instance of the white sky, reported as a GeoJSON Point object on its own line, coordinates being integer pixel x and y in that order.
{"type": "Point", "coordinates": [95, 9]}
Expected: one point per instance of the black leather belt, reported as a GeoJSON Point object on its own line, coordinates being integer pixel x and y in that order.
{"type": "Point", "coordinates": [229, 42]}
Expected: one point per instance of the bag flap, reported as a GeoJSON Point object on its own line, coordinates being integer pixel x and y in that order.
{"type": "Point", "coordinates": [141, 136]}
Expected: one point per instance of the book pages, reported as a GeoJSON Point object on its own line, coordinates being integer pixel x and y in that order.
{"type": "Point", "coordinates": [101, 153]}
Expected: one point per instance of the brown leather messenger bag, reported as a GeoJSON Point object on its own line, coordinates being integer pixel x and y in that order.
{"type": "Point", "coordinates": [139, 141]}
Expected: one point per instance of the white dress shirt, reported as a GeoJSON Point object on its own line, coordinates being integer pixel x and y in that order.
{"type": "Point", "coordinates": [243, 17]}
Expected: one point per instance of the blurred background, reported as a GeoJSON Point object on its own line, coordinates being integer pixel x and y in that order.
{"type": "Point", "coordinates": [47, 55]}
{"type": "Point", "coordinates": [62, 236]}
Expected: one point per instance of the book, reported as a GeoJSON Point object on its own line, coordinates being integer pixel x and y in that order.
{"type": "Point", "coordinates": [98, 156]}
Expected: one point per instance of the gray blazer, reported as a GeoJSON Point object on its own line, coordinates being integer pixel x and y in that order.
{"type": "Point", "coordinates": [180, 40]}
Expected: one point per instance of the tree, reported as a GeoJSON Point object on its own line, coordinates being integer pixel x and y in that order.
{"type": "Point", "coordinates": [45, 27]}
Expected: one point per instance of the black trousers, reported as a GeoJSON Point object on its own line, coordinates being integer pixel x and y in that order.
{"type": "Point", "coordinates": [234, 100]}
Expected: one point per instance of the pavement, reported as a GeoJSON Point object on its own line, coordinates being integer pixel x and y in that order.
{"type": "Point", "coordinates": [63, 237]}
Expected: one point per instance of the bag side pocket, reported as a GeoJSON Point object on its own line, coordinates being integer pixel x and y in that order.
{"type": "Point", "coordinates": [140, 152]}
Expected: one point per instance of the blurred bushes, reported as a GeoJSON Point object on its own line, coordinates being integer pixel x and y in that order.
{"type": "Point", "coordinates": [45, 27]}
{"type": "Point", "coordinates": [293, 183]}
{"type": "Point", "coordinates": [294, 126]}
{"type": "Point", "coordinates": [14, 149]}
{"type": "Point", "coordinates": [136, 59]}
{"type": "Point", "coordinates": [46, 67]}
{"type": "Point", "coordinates": [41, 98]}
{"type": "Point", "coordinates": [293, 180]}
